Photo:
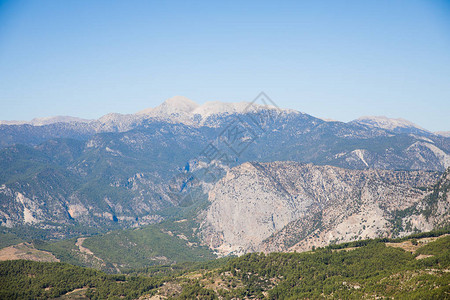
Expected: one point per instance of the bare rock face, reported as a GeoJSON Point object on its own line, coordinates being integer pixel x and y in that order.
{"type": "Point", "coordinates": [283, 206]}
{"type": "Point", "coordinates": [245, 209]}
{"type": "Point", "coordinates": [433, 211]}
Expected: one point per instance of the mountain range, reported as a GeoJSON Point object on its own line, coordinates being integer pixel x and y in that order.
{"type": "Point", "coordinates": [278, 179]}
{"type": "Point", "coordinates": [177, 109]}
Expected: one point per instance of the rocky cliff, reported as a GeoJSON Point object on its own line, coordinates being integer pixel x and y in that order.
{"type": "Point", "coordinates": [283, 206]}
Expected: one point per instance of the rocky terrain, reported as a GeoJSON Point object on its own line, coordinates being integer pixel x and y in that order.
{"type": "Point", "coordinates": [67, 176]}
{"type": "Point", "coordinates": [287, 206]}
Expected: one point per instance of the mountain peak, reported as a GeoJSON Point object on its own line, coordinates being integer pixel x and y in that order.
{"type": "Point", "coordinates": [393, 124]}
{"type": "Point", "coordinates": [181, 101]}
{"type": "Point", "coordinates": [397, 122]}
{"type": "Point", "coordinates": [176, 104]}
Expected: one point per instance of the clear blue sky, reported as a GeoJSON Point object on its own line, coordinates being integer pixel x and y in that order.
{"type": "Point", "coordinates": [333, 59]}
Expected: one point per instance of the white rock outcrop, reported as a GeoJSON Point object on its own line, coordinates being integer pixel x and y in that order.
{"type": "Point", "coordinates": [286, 205]}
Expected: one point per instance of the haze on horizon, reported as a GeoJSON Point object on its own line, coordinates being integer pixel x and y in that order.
{"type": "Point", "coordinates": [328, 59]}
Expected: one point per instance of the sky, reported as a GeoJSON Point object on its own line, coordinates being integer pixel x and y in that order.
{"type": "Point", "coordinates": [331, 59]}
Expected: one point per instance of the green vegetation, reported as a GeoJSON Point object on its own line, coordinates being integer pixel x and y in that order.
{"type": "Point", "coordinates": [64, 250]}
{"type": "Point", "coordinates": [440, 248]}
{"type": "Point", "coordinates": [434, 233]}
{"type": "Point", "coordinates": [165, 243]}
{"type": "Point", "coordinates": [33, 280]}
{"type": "Point", "coordinates": [8, 239]}
{"type": "Point", "coordinates": [146, 246]}
{"type": "Point", "coordinates": [24, 233]}
{"type": "Point", "coordinates": [180, 269]}
{"type": "Point", "coordinates": [374, 270]}
{"type": "Point", "coordinates": [369, 269]}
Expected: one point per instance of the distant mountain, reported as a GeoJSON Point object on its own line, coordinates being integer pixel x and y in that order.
{"type": "Point", "coordinates": [396, 125]}
{"type": "Point", "coordinates": [180, 109]}
{"type": "Point", "coordinates": [47, 121]}
{"type": "Point", "coordinates": [177, 109]}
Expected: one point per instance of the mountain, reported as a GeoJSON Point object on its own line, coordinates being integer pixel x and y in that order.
{"type": "Point", "coordinates": [106, 182]}
{"type": "Point", "coordinates": [396, 125]}
{"type": "Point", "coordinates": [283, 206]}
{"type": "Point", "coordinates": [47, 121]}
{"type": "Point", "coordinates": [177, 109]}
{"type": "Point", "coordinates": [174, 105]}
{"type": "Point", "coordinates": [279, 206]}
{"type": "Point", "coordinates": [121, 171]}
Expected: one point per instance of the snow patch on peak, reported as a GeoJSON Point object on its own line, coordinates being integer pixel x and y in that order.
{"type": "Point", "coordinates": [57, 119]}
{"type": "Point", "coordinates": [328, 119]}
{"type": "Point", "coordinates": [48, 121]}
{"type": "Point", "coordinates": [386, 123]}
{"type": "Point", "coordinates": [443, 133]}
{"type": "Point", "coordinates": [181, 101]}
{"type": "Point", "coordinates": [216, 107]}
{"type": "Point", "coordinates": [174, 105]}
{"type": "Point", "coordinates": [184, 110]}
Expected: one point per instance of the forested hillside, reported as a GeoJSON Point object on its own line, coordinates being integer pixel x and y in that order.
{"type": "Point", "coordinates": [121, 250]}
{"type": "Point", "coordinates": [416, 267]}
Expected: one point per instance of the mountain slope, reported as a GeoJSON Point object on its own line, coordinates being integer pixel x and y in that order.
{"type": "Point", "coordinates": [415, 268]}
{"type": "Point", "coordinates": [117, 251]}
{"type": "Point", "coordinates": [286, 205]}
